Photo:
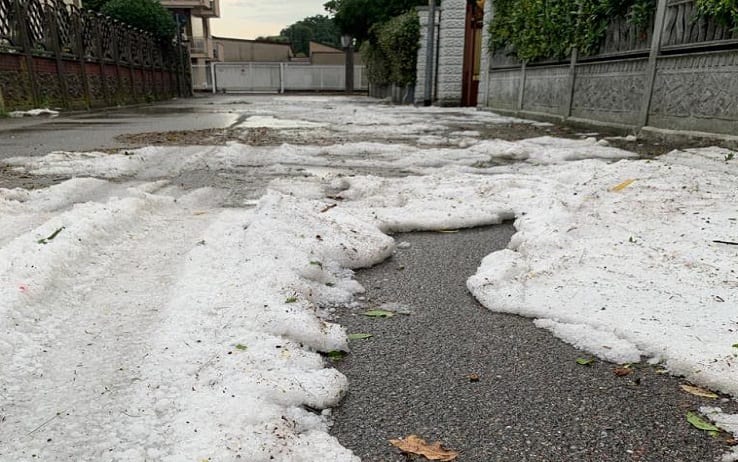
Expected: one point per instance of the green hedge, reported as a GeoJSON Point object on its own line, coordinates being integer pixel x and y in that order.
{"type": "Point", "coordinates": [545, 29]}
{"type": "Point", "coordinates": [391, 52]}
{"type": "Point", "coordinates": [724, 11]}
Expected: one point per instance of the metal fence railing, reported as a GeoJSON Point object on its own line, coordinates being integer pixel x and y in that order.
{"type": "Point", "coordinates": [83, 46]}
{"type": "Point", "coordinates": [281, 77]}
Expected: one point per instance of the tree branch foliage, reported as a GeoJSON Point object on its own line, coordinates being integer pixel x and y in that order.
{"type": "Point", "coordinates": [148, 15]}
{"type": "Point", "coordinates": [317, 28]}
{"type": "Point", "coordinates": [356, 17]}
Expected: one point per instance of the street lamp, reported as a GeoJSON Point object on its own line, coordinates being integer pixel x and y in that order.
{"type": "Point", "coordinates": [347, 42]}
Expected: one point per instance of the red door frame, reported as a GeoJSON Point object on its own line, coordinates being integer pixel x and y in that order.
{"type": "Point", "coordinates": [473, 29]}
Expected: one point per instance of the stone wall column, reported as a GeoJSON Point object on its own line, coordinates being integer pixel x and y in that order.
{"type": "Point", "coordinates": [451, 52]}
{"type": "Point", "coordinates": [424, 16]}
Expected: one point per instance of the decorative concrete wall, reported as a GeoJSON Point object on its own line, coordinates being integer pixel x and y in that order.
{"type": "Point", "coordinates": [611, 92]}
{"type": "Point", "coordinates": [547, 89]}
{"type": "Point", "coordinates": [451, 52]}
{"type": "Point", "coordinates": [503, 89]}
{"type": "Point", "coordinates": [697, 92]}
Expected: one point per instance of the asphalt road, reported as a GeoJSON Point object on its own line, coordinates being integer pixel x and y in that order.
{"type": "Point", "coordinates": [84, 131]}
{"type": "Point", "coordinates": [532, 401]}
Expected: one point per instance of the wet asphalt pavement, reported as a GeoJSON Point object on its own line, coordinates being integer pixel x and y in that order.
{"type": "Point", "coordinates": [85, 131]}
{"type": "Point", "coordinates": [532, 401]}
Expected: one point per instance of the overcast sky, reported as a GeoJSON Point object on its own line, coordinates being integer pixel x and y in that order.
{"type": "Point", "coordinates": [253, 18]}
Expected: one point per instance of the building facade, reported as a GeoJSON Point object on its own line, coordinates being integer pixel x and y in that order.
{"type": "Point", "coordinates": [194, 18]}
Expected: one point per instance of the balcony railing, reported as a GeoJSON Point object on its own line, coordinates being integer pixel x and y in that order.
{"type": "Point", "coordinates": [201, 47]}
{"type": "Point", "coordinates": [203, 8]}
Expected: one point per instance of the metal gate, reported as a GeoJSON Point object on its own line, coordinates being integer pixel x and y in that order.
{"type": "Point", "coordinates": [281, 77]}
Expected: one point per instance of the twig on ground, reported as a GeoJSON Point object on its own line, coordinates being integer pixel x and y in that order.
{"type": "Point", "coordinates": [46, 422]}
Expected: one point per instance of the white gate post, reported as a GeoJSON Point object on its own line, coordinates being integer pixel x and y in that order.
{"type": "Point", "coordinates": [281, 77]}
{"type": "Point", "coordinates": [212, 75]}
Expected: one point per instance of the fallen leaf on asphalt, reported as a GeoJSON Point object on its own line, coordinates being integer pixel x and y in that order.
{"type": "Point", "coordinates": [700, 423]}
{"type": "Point", "coordinates": [396, 308]}
{"type": "Point", "coordinates": [622, 371]}
{"type": "Point", "coordinates": [241, 347]}
{"type": "Point", "coordinates": [199, 212]}
{"type": "Point", "coordinates": [359, 336]}
{"type": "Point", "coordinates": [585, 361]}
{"type": "Point", "coordinates": [413, 444]}
{"type": "Point", "coordinates": [697, 391]}
{"type": "Point", "coordinates": [622, 185]}
{"type": "Point", "coordinates": [473, 377]}
{"type": "Point", "coordinates": [379, 314]}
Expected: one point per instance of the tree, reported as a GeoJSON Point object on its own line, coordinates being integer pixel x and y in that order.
{"type": "Point", "coordinates": [94, 5]}
{"type": "Point", "coordinates": [273, 38]}
{"type": "Point", "coordinates": [318, 28]}
{"type": "Point", "coordinates": [356, 17]}
{"type": "Point", "coordinates": [148, 15]}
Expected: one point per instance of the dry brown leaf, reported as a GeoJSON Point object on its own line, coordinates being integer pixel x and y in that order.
{"type": "Point", "coordinates": [697, 391]}
{"type": "Point", "coordinates": [622, 371]}
{"type": "Point", "coordinates": [473, 377]}
{"type": "Point", "coordinates": [622, 185]}
{"type": "Point", "coordinates": [413, 444]}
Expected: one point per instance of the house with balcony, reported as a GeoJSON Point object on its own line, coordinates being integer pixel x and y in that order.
{"type": "Point", "coordinates": [194, 16]}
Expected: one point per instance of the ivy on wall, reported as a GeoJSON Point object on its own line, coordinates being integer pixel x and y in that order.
{"type": "Point", "coordinates": [545, 29]}
{"type": "Point", "coordinates": [391, 52]}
